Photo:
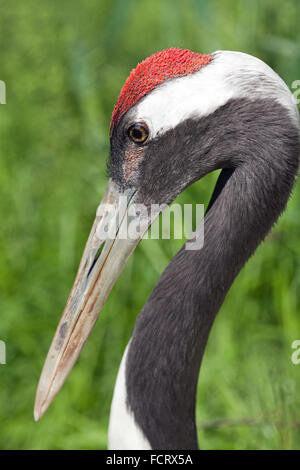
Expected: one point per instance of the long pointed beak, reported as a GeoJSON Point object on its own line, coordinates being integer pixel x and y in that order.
{"type": "Point", "coordinates": [95, 278]}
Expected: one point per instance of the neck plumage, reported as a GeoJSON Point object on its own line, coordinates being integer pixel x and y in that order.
{"type": "Point", "coordinates": [170, 335]}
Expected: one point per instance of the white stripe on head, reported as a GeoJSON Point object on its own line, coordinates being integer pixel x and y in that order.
{"type": "Point", "coordinates": [229, 75]}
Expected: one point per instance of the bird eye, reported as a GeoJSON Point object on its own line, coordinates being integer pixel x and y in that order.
{"type": "Point", "coordinates": [138, 133]}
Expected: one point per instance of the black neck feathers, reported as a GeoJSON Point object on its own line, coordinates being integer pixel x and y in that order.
{"type": "Point", "coordinates": [258, 149]}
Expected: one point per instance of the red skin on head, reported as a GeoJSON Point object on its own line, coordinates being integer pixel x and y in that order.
{"type": "Point", "coordinates": [169, 63]}
{"type": "Point", "coordinates": [132, 157]}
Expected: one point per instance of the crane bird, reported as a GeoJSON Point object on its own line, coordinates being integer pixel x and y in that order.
{"type": "Point", "coordinates": [179, 116]}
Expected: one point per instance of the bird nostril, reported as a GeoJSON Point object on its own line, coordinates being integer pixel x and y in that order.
{"type": "Point", "coordinates": [99, 251]}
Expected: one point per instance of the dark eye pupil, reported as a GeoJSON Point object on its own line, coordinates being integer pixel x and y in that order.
{"type": "Point", "coordinates": [138, 133]}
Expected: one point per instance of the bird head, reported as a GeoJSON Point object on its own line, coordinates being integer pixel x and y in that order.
{"type": "Point", "coordinates": [179, 116]}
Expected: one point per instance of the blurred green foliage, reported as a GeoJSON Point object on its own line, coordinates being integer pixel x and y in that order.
{"type": "Point", "coordinates": [64, 63]}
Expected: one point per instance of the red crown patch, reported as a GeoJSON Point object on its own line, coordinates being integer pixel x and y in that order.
{"type": "Point", "coordinates": [169, 63]}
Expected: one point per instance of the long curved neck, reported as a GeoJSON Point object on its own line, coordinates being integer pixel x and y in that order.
{"type": "Point", "coordinates": [171, 332]}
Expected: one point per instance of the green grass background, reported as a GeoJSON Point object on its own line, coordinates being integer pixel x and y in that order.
{"type": "Point", "coordinates": [64, 64]}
